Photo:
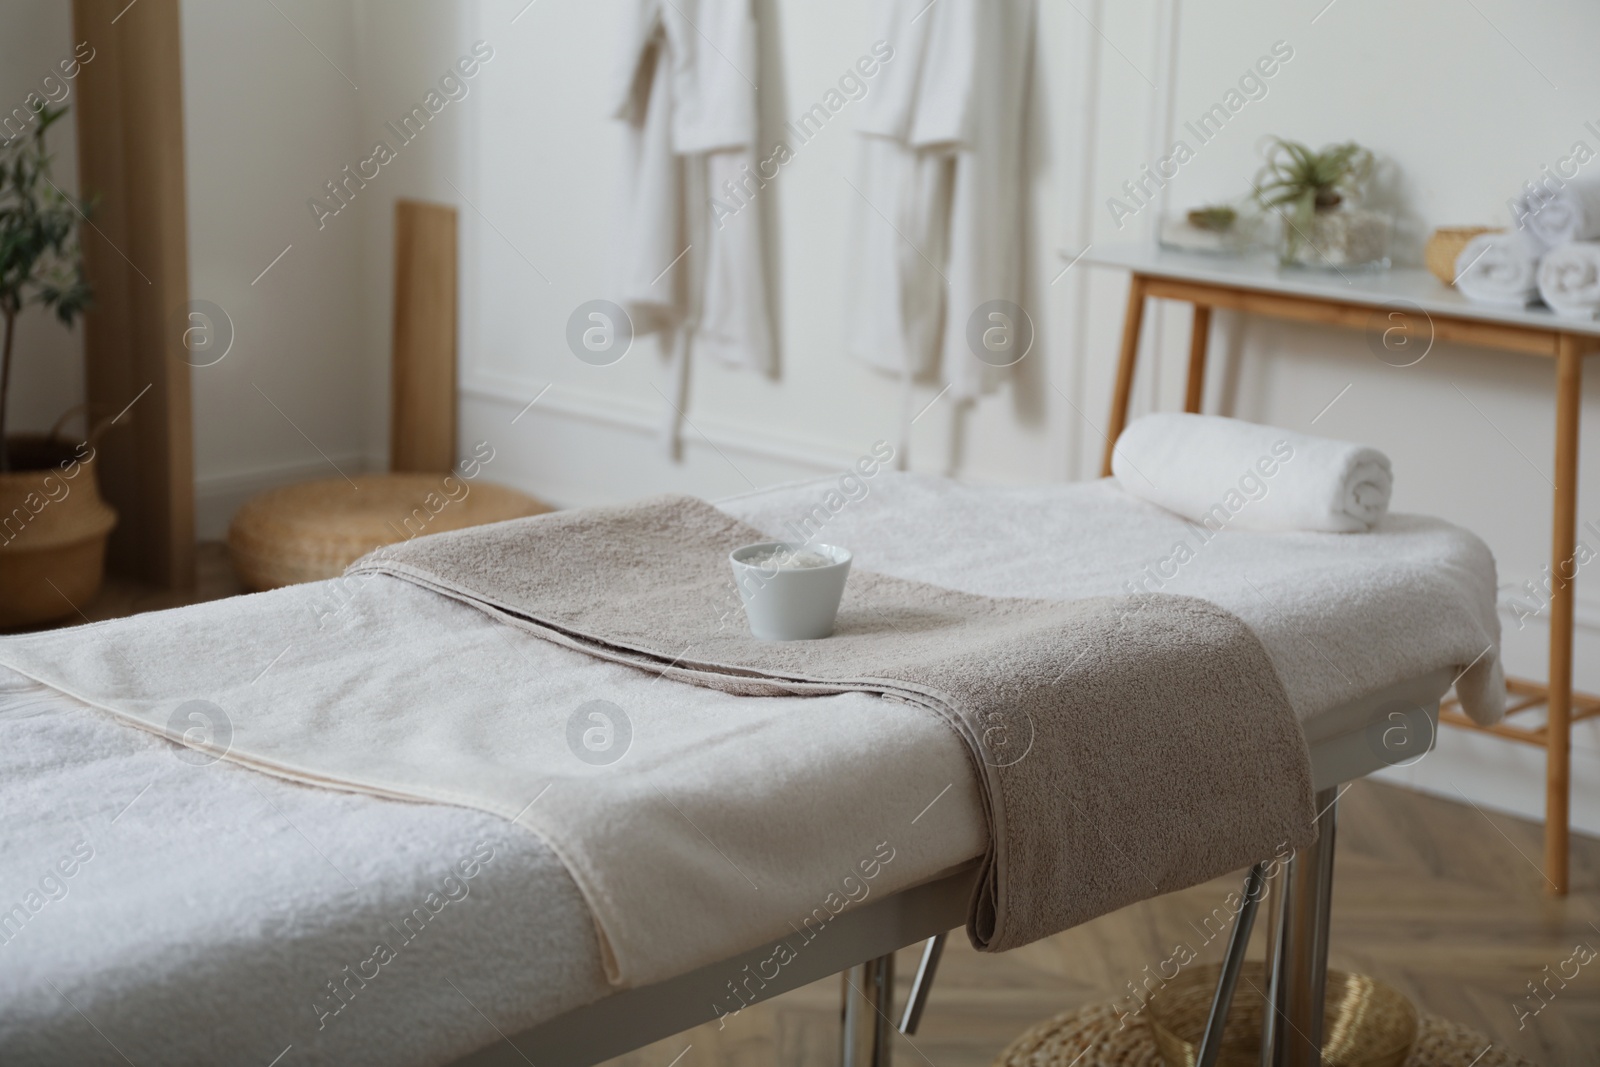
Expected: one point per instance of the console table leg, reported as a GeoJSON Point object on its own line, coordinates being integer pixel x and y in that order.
{"type": "Point", "coordinates": [1199, 340]}
{"type": "Point", "coordinates": [1558, 732]}
{"type": "Point", "coordinates": [1132, 324]}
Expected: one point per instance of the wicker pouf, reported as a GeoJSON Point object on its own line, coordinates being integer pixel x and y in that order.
{"type": "Point", "coordinates": [1095, 1037]}
{"type": "Point", "coordinates": [306, 533]}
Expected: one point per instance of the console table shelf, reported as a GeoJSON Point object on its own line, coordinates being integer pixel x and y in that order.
{"type": "Point", "coordinates": [1522, 695]}
{"type": "Point", "coordinates": [1410, 303]}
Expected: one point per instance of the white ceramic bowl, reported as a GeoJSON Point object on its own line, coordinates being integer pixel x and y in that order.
{"type": "Point", "coordinates": [787, 603]}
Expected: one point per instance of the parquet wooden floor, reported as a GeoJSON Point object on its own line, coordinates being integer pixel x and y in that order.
{"type": "Point", "coordinates": [1439, 899]}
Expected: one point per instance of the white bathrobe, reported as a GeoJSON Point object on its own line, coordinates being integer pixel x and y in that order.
{"type": "Point", "coordinates": [942, 187]}
{"type": "Point", "coordinates": [686, 84]}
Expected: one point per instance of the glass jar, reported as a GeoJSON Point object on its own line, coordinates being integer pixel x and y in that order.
{"type": "Point", "coordinates": [1214, 231]}
{"type": "Point", "coordinates": [1336, 238]}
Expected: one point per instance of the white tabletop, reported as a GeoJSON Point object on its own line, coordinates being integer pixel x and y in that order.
{"type": "Point", "coordinates": [1413, 287]}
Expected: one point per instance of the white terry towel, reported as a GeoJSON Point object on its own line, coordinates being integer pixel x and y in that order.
{"type": "Point", "coordinates": [1499, 269]}
{"type": "Point", "coordinates": [942, 186]}
{"type": "Point", "coordinates": [1227, 473]}
{"type": "Point", "coordinates": [1569, 279]}
{"type": "Point", "coordinates": [1556, 217]}
{"type": "Point", "coordinates": [691, 270]}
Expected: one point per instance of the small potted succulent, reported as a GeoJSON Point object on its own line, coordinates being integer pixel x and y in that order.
{"type": "Point", "coordinates": [53, 524]}
{"type": "Point", "coordinates": [1317, 193]}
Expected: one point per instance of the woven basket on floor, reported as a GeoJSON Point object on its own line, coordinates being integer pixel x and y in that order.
{"type": "Point", "coordinates": [1095, 1037]}
{"type": "Point", "coordinates": [1445, 244]}
{"type": "Point", "coordinates": [1365, 1021]}
{"type": "Point", "coordinates": [305, 533]}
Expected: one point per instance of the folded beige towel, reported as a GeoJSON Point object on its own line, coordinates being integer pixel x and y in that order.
{"type": "Point", "coordinates": [1126, 746]}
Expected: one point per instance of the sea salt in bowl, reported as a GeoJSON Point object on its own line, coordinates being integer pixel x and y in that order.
{"type": "Point", "coordinates": [791, 592]}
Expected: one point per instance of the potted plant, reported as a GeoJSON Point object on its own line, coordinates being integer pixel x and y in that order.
{"type": "Point", "coordinates": [53, 524]}
{"type": "Point", "coordinates": [1316, 192]}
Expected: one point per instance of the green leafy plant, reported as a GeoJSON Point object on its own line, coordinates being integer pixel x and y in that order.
{"type": "Point", "coordinates": [1294, 176]}
{"type": "Point", "coordinates": [40, 261]}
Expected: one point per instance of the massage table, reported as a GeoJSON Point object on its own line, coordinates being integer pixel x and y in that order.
{"type": "Point", "coordinates": [219, 900]}
{"type": "Point", "coordinates": [863, 942]}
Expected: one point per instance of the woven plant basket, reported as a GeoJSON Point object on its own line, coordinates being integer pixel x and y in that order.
{"type": "Point", "coordinates": [53, 530]}
{"type": "Point", "coordinates": [1445, 244]}
{"type": "Point", "coordinates": [309, 532]}
{"type": "Point", "coordinates": [1095, 1037]}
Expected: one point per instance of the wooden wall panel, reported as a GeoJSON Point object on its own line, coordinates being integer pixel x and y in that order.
{"type": "Point", "coordinates": [131, 163]}
{"type": "Point", "coordinates": [422, 422]}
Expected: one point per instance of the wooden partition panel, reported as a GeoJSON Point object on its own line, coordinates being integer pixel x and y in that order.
{"type": "Point", "coordinates": [422, 420]}
{"type": "Point", "coordinates": [129, 103]}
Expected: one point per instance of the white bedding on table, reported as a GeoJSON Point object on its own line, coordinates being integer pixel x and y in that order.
{"type": "Point", "coordinates": [218, 901]}
{"type": "Point", "coordinates": [1341, 615]}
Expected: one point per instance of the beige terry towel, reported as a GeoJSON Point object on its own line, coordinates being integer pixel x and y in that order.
{"type": "Point", "coordinates": [1126, 746]}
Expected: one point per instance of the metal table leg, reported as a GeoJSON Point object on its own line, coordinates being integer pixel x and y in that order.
{"type": "Point", "coordinates": [923, 983]}
{"type": "Point", "coordinates": [868, 1001]}
{"type": "Point", "coordinates": [1272, 1014]}
{"type": "Point", "coordinates": [1300, 981]}
{"type": "Point", "coordinates": [1211, 1042]}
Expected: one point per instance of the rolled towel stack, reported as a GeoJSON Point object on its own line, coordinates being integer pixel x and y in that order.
{"type": "Point", "coordinates": [1229, 474]}
{"type": "Point", "coordinates": [1556, 217]}
{"type": "Point", "coordinates": [1500, 269]}
{"type": "Point", "coordinates": [1569, 279]}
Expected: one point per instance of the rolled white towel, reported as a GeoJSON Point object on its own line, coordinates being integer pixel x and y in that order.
{"type": "Point", "coordinates": [1230, 474]}
{"type": "Point", "coordinates": [1556, 217]}
{"type": "Point", "coordinates": [1569, 279]}
{"type": "Point", "coordinates": [1500, 269]}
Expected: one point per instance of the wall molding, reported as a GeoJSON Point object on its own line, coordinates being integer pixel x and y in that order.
{"type": "Point", "coordinates": [1500, 777]}
{"type": "Point", "coordinates": [1081, 458]}
{"type": "Point", "coordinates": [641, 418]}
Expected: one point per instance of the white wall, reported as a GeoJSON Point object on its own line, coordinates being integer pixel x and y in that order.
{"type": "Point", "coordinates": [1465, 103]}
{"type": "Point", "coordinates": [269, 117]}
{"type": "Point", "coordinates": [543, 166]}
{"type": "Point", "coordinates": [1448, 94]}
{"type": "Point", "coordinates": [47, 375]}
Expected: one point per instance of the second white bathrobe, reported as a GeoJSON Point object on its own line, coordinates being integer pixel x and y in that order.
{"type": "Point", "coordinates": [942, 186]}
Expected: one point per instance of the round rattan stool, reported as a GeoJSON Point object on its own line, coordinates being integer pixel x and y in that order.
{"type": "Point", "coordinates": [1095, 1037]}
{"type": "Point", "coordinates": [309, 532]}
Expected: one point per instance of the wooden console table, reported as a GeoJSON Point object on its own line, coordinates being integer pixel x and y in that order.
{"type": "Point", "coordinates": [1402, 310]}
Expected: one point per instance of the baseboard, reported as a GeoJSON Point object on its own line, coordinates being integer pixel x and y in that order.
{"type": "Point", "coordinates": [218, 496]}
{"type": "Point", "coordinates": [1496, 775]}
